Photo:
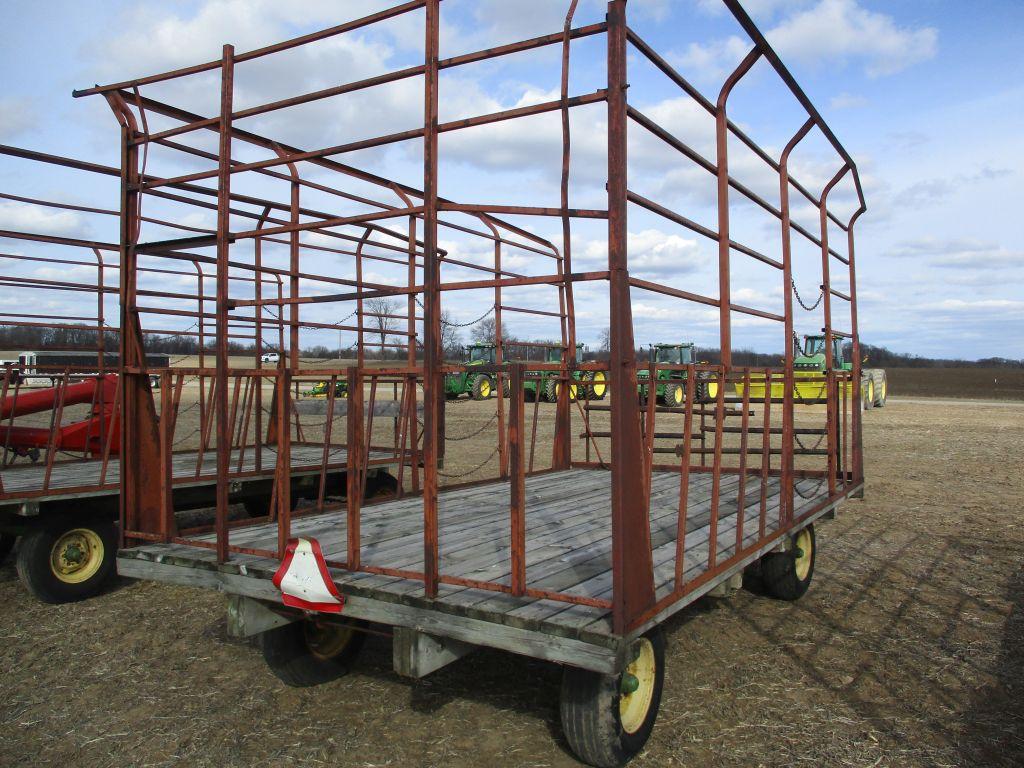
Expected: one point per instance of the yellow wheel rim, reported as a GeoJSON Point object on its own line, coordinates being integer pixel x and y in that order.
{"type": "Point", "coordinates": [599, 387]}
{"type": "Point", "coordinates": [871, 391]}
{"type": "Point", "coordinates": [76, 556]}
{"type": "Point", "coordinates": [677, 395]}
{"type": "Point", "coordinates": [805, 548]}
{"type": "Point", "coordinates": [885, 388]}
{"type": "Point", "coordinates": [712, 389]}
{"type": "Point", "coordinates": [485, 388]}
{"type": "Point", "coordinates": [326, 641]}
{"type": "Point", "coordinates": [572, 390]}
{"type": "Point", "coordinates": [637, 687]}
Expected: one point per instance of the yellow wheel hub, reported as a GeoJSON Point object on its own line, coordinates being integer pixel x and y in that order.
{"type": "Point", "coordinates": [325, 641]}
{"type": "Point", "coordinates": [712, 389]}
{"type": "Point", "coordinates": [637, 687]}
{"type": "Point", "coordinates": [871, 391]}
{"type": "Point", "coordinates": [599, 385]}
{"type": "Point", "coordinates": [76, 556]}
{"type": "Point", "coordinates": [572, 390]}
{"type": "Point", "coordinates": [805, 553]}
{"type": "Point", "coordinates": [885, 388]}
{"type": "Point", "coordinates": [485, 388]}
{"type": "Point", "coordinates": [677, 395]}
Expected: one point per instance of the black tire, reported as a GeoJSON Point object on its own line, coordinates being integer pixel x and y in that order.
{"type": "Point", "coordinates": [308, 652]}
{"type": "Point", "coordinates": [6, 545]}
{"type": "Point", "coordinates": [482, 388]}
{"type": "Point", "coordinates": [593, 707]}
{"type": "Point", "coordinates": [551, 390]}
{"type": "Point", "coordinates": [787, 575]}
{"type": "Point", "coordinates": [68, 559]}
{"type": "Point", "coordinates": [675, 394]}
{"type": "Point", "coordinates": [383, 485]}
{"type": "Point", "coordinates": [868, 394]}
{"type": "Point", "coordinates": [597, 385]}
{"type": "Point", "coordinates": [881, 387]}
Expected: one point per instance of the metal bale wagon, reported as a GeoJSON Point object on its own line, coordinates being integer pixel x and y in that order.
{"type": "Point", "coordinates": [61, 407]}
{"type": "Point", "coordinates": [578, 559]}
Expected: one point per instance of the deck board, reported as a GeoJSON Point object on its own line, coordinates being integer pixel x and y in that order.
{"type": "Point", "coordinates": [568, 543]}
{"type": "Point", "coordinates": [72, 476]}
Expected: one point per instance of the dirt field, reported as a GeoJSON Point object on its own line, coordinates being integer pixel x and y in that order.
{"type": "Point", "coordinates": [977, 383]}
{"type": "Point", "coordinates": [907, 651]}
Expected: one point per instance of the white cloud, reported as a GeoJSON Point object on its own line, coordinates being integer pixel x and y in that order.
{"type": "Point", "coordinates": [24, 217]}
{"type": "Point", "coordinates": [840, 30]}
{"type": "Point", "coordinates": [712, 61]}
{"type": "Point", "coordinates": [960, 254]}
{"type": "Point", "coordinates": [651, 253]}
{"type": "Point", "coordinates": [848, 101]}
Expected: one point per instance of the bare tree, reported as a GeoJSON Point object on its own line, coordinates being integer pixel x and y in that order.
{"type": "Point", "coordinates": [451, 337]}
{"type": "Point", "coordinates": [378, 317]}
{"type": "Point", "coordinates": [605, 341]}
{"type": "Point", "coordinates": [484, 332]}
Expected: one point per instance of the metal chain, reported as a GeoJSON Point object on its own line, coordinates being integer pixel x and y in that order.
{"type": "Point", "coordinates": [494, 418]}
{"type": "Point", "coordinates": [821, 295]}
{"type": "Point", "coordinates": [456, 325]}
{"type": "Point", "coordinates": [812, 494]}
{"type": "Point", "coordinates": [478, 467]}
{"type": "Point", "coordinates": [799, 442]}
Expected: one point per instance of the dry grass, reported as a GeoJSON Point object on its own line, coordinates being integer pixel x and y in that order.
{"type": "Point", "coordinates": [907, 651]}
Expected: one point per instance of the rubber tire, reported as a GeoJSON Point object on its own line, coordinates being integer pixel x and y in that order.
{"type": "Point", "coordinates": [881, 384]}
{"type": "Point", "coordinates": [6, 545]}
{"type": "Point", "coordinates": [869, 402]}
{"type": "Point", "coordinates": [476, 393]}
{"type": "Point", "coordinates": [383, 485]}
{"type": "Point", "coordinates": [590, 393]}
{"type": "Point", "coordinates": [778, 573]}
{"type": "Point", "coordinates": [551, 390]}
{"type": "Point", "coordinates": [590, 712]}
{"type": "Point", "coordinates": [670, 394]}
{"type": "Point", "coordinates": [288, 656]}
{"type": "Point", "coordinates": [33, 561]}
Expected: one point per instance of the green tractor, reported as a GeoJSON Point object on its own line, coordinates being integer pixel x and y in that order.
{"type": "Point", "coordinates": [671, 385]}
{"type": "Point", "coordinates": [321, 387]}
{"type": "Point", "coordinates": [478, 386]}
{"type": "Point", "coordinates": [588, 385]}
{"type": "Point", "coordinates": [809, 363]}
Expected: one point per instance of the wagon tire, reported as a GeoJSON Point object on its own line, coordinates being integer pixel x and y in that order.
{"type": "Point", "coordinates": [383, 486]}
{"type": "Point", "coordinates": [787, 575]}
{"type": "Point", "coordinates": [67, 559]}
{"type": "Point", "coordinates": [6, 545]}
{"type": "Point", "coordinates": [306, 652]}
{"type": "Point", "coordinates": [604, 725]}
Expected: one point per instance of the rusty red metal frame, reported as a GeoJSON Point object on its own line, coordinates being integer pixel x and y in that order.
{"type": "Point", "coordinates": [635, 597]}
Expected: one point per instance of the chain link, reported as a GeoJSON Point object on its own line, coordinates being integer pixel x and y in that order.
{"type": "Point", "coordinates": [456, 325]}
{"type": "Point", "coordinates": [821, 295]}
{"type": "Point", "coordinates": [477, 468]}
{"type": "Point", "coordinates": [471, 435]}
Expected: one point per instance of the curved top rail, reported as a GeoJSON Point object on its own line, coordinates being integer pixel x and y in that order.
{"type": "Point", "coordinates": [772, 57]}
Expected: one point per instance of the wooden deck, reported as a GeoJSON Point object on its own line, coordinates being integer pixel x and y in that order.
{"type": "Point", "coordinates": [568, 547]}
{"type": "Point", "coordinates": [84, 477]}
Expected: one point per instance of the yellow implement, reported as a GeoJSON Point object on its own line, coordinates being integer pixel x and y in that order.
{"type": "Point", "coordinates": [808, 386]}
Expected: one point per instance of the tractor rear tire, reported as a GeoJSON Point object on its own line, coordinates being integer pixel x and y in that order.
{"type": "Point", "coordinates": [787, 575]}
{"type": "Point", "coordinates": [308, 652]}
{"type": "Point", "coordinates": [383, 485]}
{"type": "Point", "coordinates": [881, 387]}
{"type": "Point", "coordinates": [597, 385]}
{"type": "Point", "coordinates": [551, 390]}
{"type": "Point", "coordinates": [869, 393]}
{"type": "Point", "coordinates": [482, 388]}
{"type": "Point", "coordinates": [675, 394]}
{"type": "Point", "coordinates": [607, 719]}
{"type": "Point", "coordinates": [6, 545]}
{"type": "Point", "coordinates": [68, 558]}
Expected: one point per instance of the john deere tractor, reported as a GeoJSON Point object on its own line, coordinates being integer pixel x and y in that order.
{"type": "Point", "coordinates": [809, 363]}
{"type": "Point", "coordinates": [588, 385]}
{"type": "Point", "coordinates": [321, 387]}
{"type": "Point", "coordinates": [477, 385]}
{"type": "Point", "coordinates": [670, 388]}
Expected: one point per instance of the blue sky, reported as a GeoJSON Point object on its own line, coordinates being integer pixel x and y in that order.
{"type": "Point", "coordinates": [927, 96]}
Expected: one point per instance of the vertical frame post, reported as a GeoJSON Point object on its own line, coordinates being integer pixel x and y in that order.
{"type": "Point", "coordinates": [223, 289]}
{"type": "Point", "coordinates": [632, 565]}
{"type": "Point", "coordinates": [517, 471]}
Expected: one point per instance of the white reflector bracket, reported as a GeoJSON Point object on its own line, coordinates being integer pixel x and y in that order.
{"type": "Point", "coordinates": [304, 580]}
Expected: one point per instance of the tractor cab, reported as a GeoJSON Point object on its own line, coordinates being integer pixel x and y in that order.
{"type": "Point", "coordinates": [553, 353]}
{"type": "Point", "coordinates": [482, 354]}
{"type": "Point", "coordinates": [812, 356]}
{"type": "Point", "coordinates": [671, 354]}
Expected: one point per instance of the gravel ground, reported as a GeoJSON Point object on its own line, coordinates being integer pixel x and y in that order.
{"type": "Point", "coordinates": [907, 651]}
